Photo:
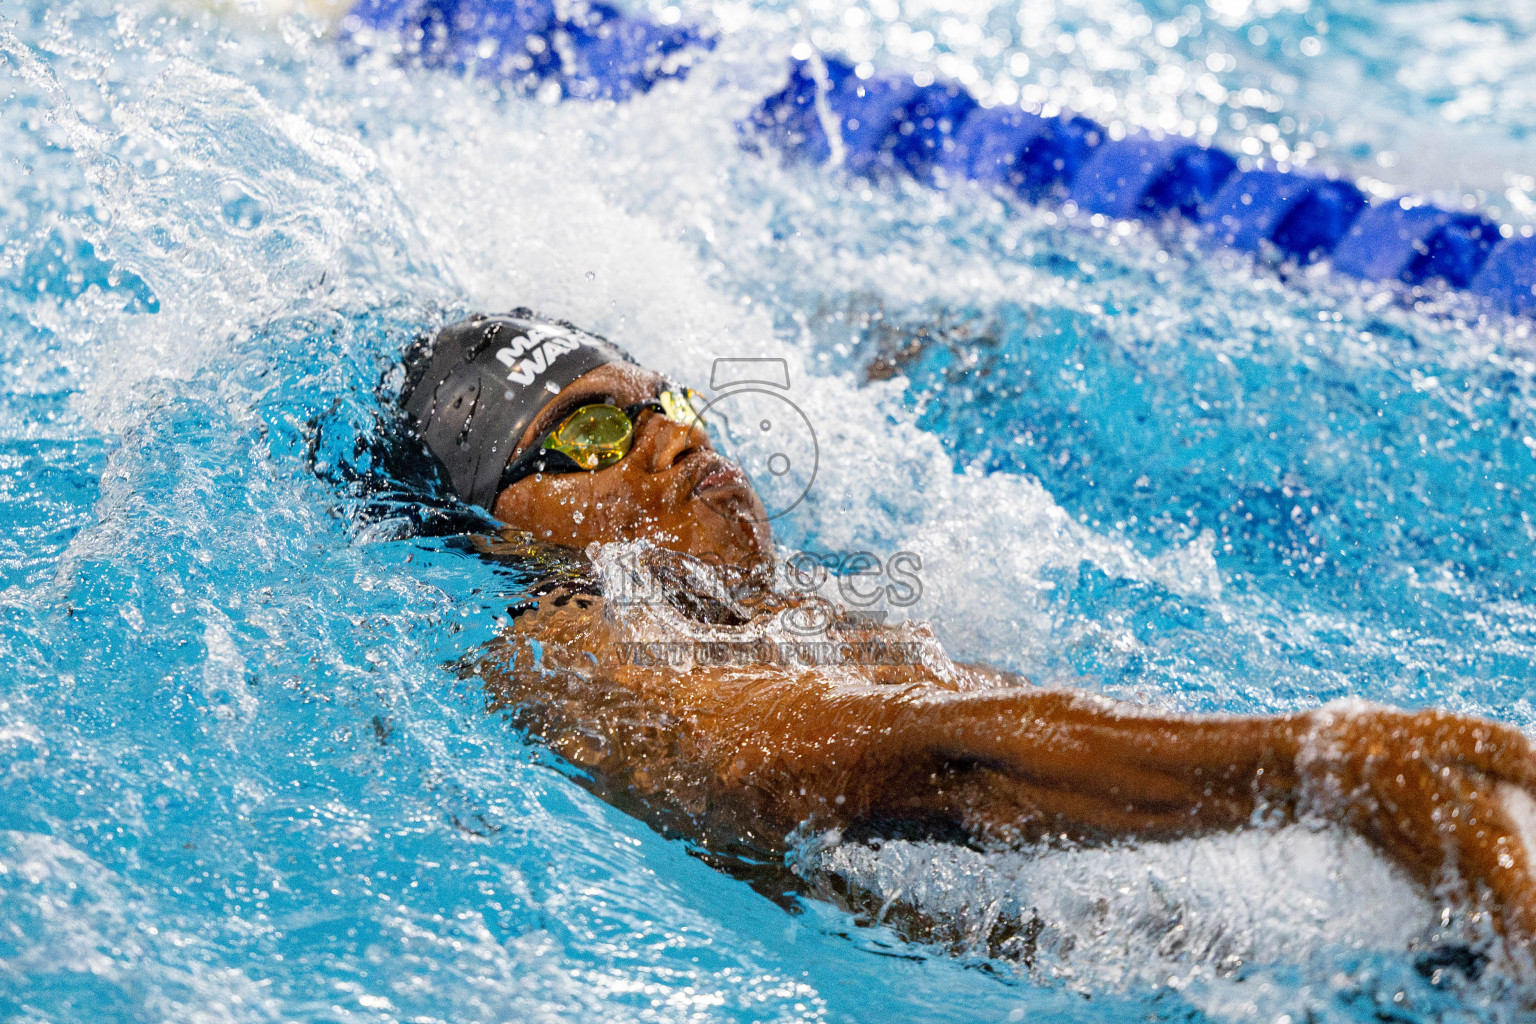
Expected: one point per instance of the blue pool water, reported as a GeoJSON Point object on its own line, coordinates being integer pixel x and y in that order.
{"type": "Point", "coordinates": [239, 780]}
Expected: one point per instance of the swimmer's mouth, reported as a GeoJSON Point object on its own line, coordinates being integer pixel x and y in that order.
{"type": "Point", "coordinates": [717, 473]}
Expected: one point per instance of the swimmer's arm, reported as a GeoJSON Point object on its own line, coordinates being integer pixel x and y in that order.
{"type": "Point", "coordinates": [1434, 791]}
{"type": "Point", "coordinates": [1010, 761]}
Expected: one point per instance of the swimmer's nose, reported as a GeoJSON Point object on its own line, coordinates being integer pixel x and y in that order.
{"type": "Point", "coordinates": [668, 442]}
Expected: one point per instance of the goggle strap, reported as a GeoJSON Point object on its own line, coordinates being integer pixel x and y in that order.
{"type": "Point", "coordinates": [683, 395]}
{"type": "Point", "coordinates": [537, 460]}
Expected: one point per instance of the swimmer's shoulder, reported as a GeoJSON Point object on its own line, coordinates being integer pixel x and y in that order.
{"type": "Point", "coordinates": [561, 613]}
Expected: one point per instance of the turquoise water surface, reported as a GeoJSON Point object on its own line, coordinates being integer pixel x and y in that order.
{"type": "Point", "coordinates": [239, 779]}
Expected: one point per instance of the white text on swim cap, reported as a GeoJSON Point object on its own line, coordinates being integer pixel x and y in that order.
{"type": "Point", "coordinates": [532, 354]}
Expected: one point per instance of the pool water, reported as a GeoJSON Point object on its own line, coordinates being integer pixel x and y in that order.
{"type": "Point", "coordinates": [239, 778]}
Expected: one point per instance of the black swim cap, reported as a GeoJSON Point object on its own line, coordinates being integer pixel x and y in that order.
{"type": "Point", "coordinates": [473, 389]}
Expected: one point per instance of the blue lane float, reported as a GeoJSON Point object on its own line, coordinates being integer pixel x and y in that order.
{"type": "Point", "coordinates": [589, 50]}
{"type": "Point", "coordinates": [1508, 276]}
{"type": "Point", "coordinates": [1301, 215]}
{"type": "Point", "coordinates": [1033, 157]}
{"type": "Point", "coordinates": [1315, 224]}
{"type": "Point", "coordinates": [1397, 241]}
{"type": "Point", "coordinates": [884, 125]}
{"type": "Point", "coordinates": [1142, 176]}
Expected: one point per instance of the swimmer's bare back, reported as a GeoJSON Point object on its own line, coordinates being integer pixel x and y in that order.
{"type": "Point", "coordinates": [743, 754]}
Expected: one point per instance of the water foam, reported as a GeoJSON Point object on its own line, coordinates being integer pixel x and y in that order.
{"type": "Point", "coordinates": [1142, 915]}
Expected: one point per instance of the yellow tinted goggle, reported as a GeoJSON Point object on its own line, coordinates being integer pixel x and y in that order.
{"type": "Point", "coordinates": [597, 436]}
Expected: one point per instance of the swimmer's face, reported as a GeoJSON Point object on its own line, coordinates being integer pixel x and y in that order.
{"type": "Point", "coordinates": [672, 489]}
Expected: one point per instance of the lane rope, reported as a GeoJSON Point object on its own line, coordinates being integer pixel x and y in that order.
{"type": "Point", "coordinates": [889, 124]}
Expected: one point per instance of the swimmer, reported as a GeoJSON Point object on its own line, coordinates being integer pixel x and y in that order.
{"type": "Point", "coordinates": [564, 439]}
